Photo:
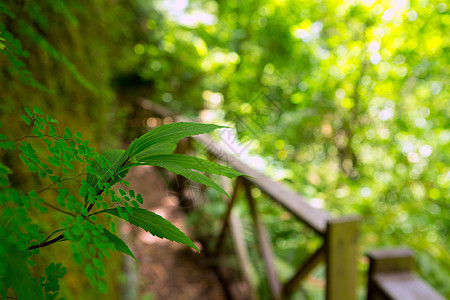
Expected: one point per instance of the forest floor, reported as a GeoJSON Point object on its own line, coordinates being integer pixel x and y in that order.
{"type": "Point", "coordinates": [166, 270]}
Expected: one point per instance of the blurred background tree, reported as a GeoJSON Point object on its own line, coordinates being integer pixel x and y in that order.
{"type": "Point", "coordinates": [351, 97]}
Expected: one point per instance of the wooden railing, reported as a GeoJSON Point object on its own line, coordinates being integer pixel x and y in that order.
{"type": "Point", "coordinates": [391, 276]}
{"type": "Point", "coordinates": [339, 250]}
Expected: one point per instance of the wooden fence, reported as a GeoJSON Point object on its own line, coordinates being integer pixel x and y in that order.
{"type": "Point", "coordinates": [390, 275]}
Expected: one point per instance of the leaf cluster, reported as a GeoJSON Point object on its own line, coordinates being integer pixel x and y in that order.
{"type": "Point", "coordinates": [57, 158]}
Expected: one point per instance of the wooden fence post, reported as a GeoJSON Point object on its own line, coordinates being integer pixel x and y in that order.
{"type": "Point", "coordinates": [341, 257]}
{"type": "Point", "coordinates": [226, 217]}
{"type": "Point", "coordinates": [388, 260]}
{"type": "Point", "coordinates": [265, 246]}
{"type": "Point", "coordinates": [391, 276]}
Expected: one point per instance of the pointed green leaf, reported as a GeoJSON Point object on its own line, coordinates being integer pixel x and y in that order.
{"type": "Point", "coordinates": [118, 243]}
{"type": "Point", "coordinates": [191, 162]}
{"type": "Point", "coordinates": [189, 174]}
{"type": "Point", "coordinates": [162, 148]}
{"type": "Point", "coordinates": [169, 133]}
{"type": "Point", "coordinates": [154, 224]}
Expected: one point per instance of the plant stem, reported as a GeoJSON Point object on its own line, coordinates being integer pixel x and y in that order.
{"type": "Point", "coordinates": [58, 209]}
{"type": "Point", "coordinates": [43, 244]}
{"type": "Point", "coordinates": [60, 180]}
{"type": "Point", "coordinates": [109, 180]}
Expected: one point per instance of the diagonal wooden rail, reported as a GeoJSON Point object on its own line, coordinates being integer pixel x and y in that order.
{"type": "Point", "coordinates": [339, 250]}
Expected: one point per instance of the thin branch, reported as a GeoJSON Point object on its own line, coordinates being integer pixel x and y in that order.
{"type": "Point", "coordinates": [51, 234]}
{"type": "Point", "coordinates": [22, 138]}
{"type": "Point", "coordinates": [58, 209]}
{"type": "Point", "coordinates": [46, 188]}
{"type": "Point", "coordinates": [28, 131]}
{"type": "Point", "coordinates": [43, 244]}
{"type": "Point", "coordinates": [61, 180]}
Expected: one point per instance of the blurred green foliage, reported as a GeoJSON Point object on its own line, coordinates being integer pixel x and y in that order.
{"type": "Point", "coordinates": [62, 56]}
{"type": "Point", "coordinates": [347, 101]}
{"type": "Point", "coordinates": [70, 159]}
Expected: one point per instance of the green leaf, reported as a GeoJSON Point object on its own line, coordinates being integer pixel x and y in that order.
{"type": "Point", "coordinates": [19, 276]}
{"type": "Point", "coordinates": [25, 119]}
{"type": "Point", "coordinates": [118, 243]}
{"type": "Point", "coordinates": [167, 135]}
{"type": "Point", "coordinates": [4, 172]}
{"type": "Point", "coordinates": [28, 111]}
{"type": "Point", "coordinates": [154, 224]}
{"type": "Point", "coordinates": [10, 145]}
{"type": "Point", "coordinates": [189, 174]}
{"type": "Point", "coordinates": [38, 125]}
{"type": "Point", "coordinates": [67, 133]}
{"type": "Point", "coordinates": [161, 140]}
{"type": "Point", "coordinates": [97, 263]}
{"type": "Point", "coordinates": [191, 162]}
{"type": "Point", "coordinates": [84, 211]}
{"type": "Point", "coordinates": [51, 130]}
{"type": "Point", "coordinates": [36, 132]}
{"type": "Point", "coordinates": [162, 148]}
{"type": "Point", "coordinates": [37, 110]}
{"type": "Point", "coordinates": [51, 120]}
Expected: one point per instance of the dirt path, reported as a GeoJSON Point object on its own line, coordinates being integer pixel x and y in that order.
{"type": "Point", "coordinates": [167, 270]}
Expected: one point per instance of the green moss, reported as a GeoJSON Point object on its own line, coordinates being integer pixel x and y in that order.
{"type": "Point", "coordinates": [61, 57]}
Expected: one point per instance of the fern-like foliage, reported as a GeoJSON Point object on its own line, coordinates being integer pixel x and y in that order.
{"type": "Point", "coordinates": [83, 181]}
